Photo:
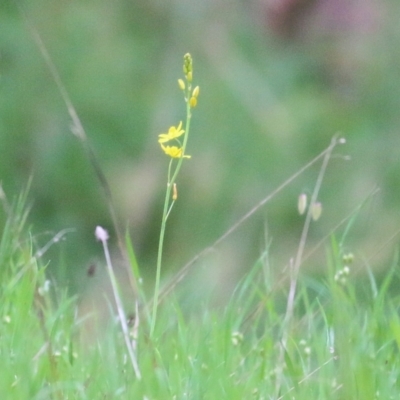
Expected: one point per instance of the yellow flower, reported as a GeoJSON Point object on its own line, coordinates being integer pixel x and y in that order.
{"type": "Point", "coordinates": [173, 151]}
{"type": "Point", "coordinates": [173, 133]}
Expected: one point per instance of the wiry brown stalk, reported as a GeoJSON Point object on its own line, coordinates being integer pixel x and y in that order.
{"type": "Point", "coordinates": [296, 263]}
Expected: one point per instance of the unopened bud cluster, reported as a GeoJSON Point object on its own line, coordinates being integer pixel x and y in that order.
{"type": "Point", "coordinates": [188, 67]}
{"type": "Point", "coordinates": [190, 95]}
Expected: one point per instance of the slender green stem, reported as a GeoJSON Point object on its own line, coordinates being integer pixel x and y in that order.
{"type": "Point", "coordinates": [169, 209]}
{"type": "Point", "coordinates": [166, 210]}
{"type": "Point", "coordinates": [159, 257]}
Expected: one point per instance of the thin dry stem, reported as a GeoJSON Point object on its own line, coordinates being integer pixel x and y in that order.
{"type": "Point", "coordinates": [307, 377]}
{"type": "Point", "coordinates": [296, 263]}
{"type": "Point", "coordinates": [55, 239]}
{"type": "Point", "coordinates": [304, 234]}
{"type": "Point", "coordinates": [168, 288]}
{"type": "Point", "coordinates": [78, 130]}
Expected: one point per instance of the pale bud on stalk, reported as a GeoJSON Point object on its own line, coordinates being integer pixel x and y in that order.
{"type": "Point", "coordinates": [193, 102]}
{"type": "Point", "coordinates": [181, 84]}
{"type": "Point", "coordinates": [101, 234]}
{"type": "Point", "coordinates": [196, 92]}
{"type": "Point", "coordinates": [193, 98]}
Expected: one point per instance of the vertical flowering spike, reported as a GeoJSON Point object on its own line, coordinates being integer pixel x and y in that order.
{"type": "Point", "coordinates": [302, 203]}
{"type": "Point", "coordinates": [174, 143]}
{"type": "Point", "coordinates": [188, 66]}
{"type": "Point", "coordinates": [316, 210]}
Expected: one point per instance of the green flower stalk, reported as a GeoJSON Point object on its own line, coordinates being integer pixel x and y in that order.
{"type": "Point", "coordinates": [173, 144]}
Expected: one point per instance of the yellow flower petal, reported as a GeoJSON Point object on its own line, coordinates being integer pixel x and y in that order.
{"type": "Point", "coordinates": [173, 133]}
{"type": "Point", "coordinates": [174, 151]}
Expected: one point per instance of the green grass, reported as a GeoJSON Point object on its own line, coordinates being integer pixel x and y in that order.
{"type": "Point", "coordinates": [342, 339]}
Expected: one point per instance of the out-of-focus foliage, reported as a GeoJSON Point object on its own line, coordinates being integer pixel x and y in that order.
{"type": "Point", "coordinates": [277, 79]}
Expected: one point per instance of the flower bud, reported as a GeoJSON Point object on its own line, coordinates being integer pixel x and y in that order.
{"type": "Point", "coordinates": [174, 192]}
{"type": "Point", "coordinates": [181, 84]}
{"type": "Point", "coordinates": [193, 102]}
{"type": "Point", "coordinates": [196, 92]}
{"type": "Point", "coordinates": [101, 234]}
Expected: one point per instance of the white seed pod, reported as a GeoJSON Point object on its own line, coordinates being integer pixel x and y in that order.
{"type": "Point", "coordinates": [302, 203]}
{"type": "Point", "coordinates": [316, 210]}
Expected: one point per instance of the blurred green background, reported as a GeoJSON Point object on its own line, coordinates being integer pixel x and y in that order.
{"type": "Point", "coordinates": [278, 79]}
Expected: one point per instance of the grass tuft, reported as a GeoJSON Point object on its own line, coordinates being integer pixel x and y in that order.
{"type": "Point", "coordinates": [343, 341]}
